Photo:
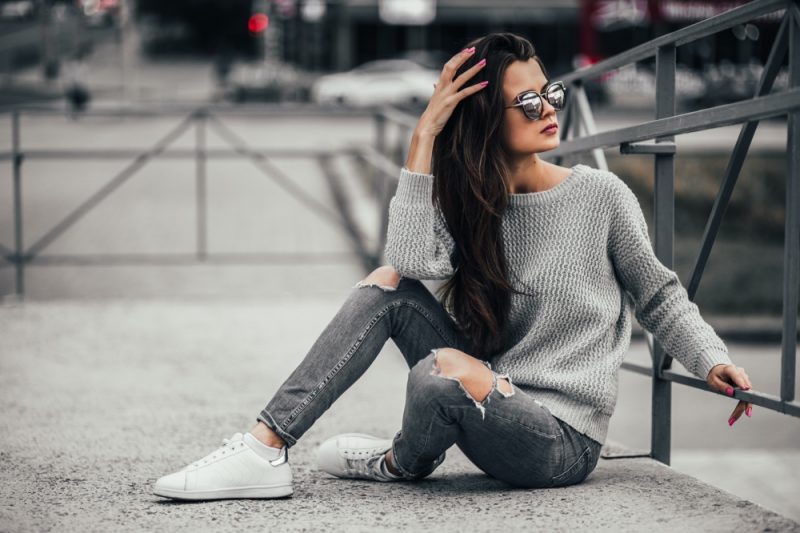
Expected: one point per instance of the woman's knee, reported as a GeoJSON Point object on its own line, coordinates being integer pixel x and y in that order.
{"type": "Point", "coordinates": [473, 374]}
{"type": "Point", "coordinates": [385, 277]}
{"type": "Point", "coordinates": [445, 365]}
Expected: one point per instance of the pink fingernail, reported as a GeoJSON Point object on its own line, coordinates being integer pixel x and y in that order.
{"type": "Point", "coordinates": [748, 411]}
{"type": "Point", "coordinates": [469, 50]}
{"type": "Point", "coordinates": [483, 83]}
{"type": "Point", "coordinates": [482, 61]}
{"type": "Point", "coordinates": [729, 391]}
{"type": "Point", "coordinates": [731, 421]}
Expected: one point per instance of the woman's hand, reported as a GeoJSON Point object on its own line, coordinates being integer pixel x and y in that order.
{"type": "Point", "coordinates": [447, 94]}
{"type": "Point", "coordinates": [441, 105]}
{"type": "Point", "coordinates": [722, 377]}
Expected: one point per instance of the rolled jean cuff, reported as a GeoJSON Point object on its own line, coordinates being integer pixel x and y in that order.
{"type": "Point", "coordinates": [396, 464]}
{"type": "Point", "coordinates": [266, 418]}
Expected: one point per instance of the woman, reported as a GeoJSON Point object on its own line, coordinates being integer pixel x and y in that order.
{"type": "Point", "coordinates": [517, 364]}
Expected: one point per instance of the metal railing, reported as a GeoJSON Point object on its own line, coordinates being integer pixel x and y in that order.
{"type": "Point", "coordinates": [578, 122]}
{"type": "Point", "coordinates": [201, 119]}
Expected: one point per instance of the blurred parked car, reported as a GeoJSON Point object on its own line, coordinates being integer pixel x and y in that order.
{"type": "Point", "coordinates": [263, 81]}
{"type": "Point", "coordinates": [380, 82]}
{"type": "Point", "coordinates": [729, 82]}
{"type": "Point", "coordinates": [432, 59]}
{"type": "Point", "coordinates": [634, 86]}
{"type": "Point", "coordinates": [17, 10]}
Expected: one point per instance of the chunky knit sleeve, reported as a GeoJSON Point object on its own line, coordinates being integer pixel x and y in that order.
{"type": "Point", "coordinates": [418, 244]}
{"type": "Point", "coordinates": [662, 304]}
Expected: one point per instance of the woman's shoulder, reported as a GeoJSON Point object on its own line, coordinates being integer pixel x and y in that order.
{"type": "Point", "coordinates": [602, 181]}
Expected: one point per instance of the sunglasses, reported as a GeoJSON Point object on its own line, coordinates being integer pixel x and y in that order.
{"type": "Point", "coordinates": [555, 93]}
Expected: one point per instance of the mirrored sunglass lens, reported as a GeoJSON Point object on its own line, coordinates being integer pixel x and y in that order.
{"type": "Point", "coordinates": [532, 105]}
{"type": "Point", "coordinates": [556, 97]}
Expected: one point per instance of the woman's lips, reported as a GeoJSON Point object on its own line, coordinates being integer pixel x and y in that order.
{"type": "Point", "coordinates": [552, 128]}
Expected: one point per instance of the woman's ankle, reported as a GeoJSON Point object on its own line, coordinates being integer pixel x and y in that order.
{"type": "Point", "coordinates": [390, 465]}
{"type": "Point", "coordinates": [265, 434]}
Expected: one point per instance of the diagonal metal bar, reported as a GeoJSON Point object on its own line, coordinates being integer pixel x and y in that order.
{"type": "Point", "coordinates": [736, 161]}
{"type": "Point", "coordinates": [795, 10]}
{"type": "Point", "coordinates": [387, 171]}
{"type": "Point", "coordinates": [703, 119]}
{"type": "Point", "coordinates": [368, 260]}
{"type": "Point", "coordinates": [587, 118]}
{"type": "Point", "coordinates": [109, 187]}
{"type": "Point", "coordinates": [272, 172]}
{"type": "Point", "coordinates": [565, 123]}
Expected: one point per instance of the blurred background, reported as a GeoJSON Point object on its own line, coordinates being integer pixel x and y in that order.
{"type": "Point", "coordinates": [231, 150]}
{"type": "Point", "coordinates": [339, 61]}
{"type": "Point", "coordinates": [283, 50]}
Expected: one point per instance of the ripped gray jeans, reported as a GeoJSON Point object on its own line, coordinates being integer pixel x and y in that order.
{"type": "Point", "coordinates": [509, 436]}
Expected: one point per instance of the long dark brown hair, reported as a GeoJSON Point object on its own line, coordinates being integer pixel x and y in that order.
{"type": "Point", "coordinates": [470, 189]}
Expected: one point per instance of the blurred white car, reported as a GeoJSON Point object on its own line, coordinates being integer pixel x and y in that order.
{"type": "Point", "coordinates": [380, 82]}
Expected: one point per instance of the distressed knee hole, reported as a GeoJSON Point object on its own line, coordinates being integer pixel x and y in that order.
{"type": "Point", "coordinates": [501, 383]}
{"type": "Point", "coordinates": [384, 277]}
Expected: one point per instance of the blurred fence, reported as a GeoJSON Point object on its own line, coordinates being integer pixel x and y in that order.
{"type": "Point", "coordinates": [579, 136]}
{"type": "Point", "coordinates": [201, 120]}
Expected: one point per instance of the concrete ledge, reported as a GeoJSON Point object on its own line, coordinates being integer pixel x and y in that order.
{"type": "Point", "coordinates": [620, 495]}
{"type": "Point", "coordinates": [99, 399]}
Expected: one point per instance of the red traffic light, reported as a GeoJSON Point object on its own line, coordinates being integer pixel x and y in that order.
{"type": "Point", "coordinates": [257, 23]}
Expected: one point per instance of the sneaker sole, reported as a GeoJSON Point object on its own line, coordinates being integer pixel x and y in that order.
{"type": "Point", "coordinates": [271, 491]}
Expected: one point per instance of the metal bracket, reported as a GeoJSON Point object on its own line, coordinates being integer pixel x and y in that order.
{"type": "Point", "coordinates": [648, 148]}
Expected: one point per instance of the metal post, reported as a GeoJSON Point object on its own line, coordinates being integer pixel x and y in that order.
{"type": "Point", "coordinates": [791, 250]}
{"type": "Point", "coordinates": [19, 254]}
{"type": "Point", "coordinates": [664, 215]}
{"type": "Point", "coordinates": [200, 182]}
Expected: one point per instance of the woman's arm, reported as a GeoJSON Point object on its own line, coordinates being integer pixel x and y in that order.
{"type": "Point", "coordinates": [662, 305]}
{"type": "Point", "coordinates": [418, 244]}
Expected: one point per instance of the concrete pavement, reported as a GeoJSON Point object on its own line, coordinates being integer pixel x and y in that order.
{"type": "Point", "coordinates": [101, 397]}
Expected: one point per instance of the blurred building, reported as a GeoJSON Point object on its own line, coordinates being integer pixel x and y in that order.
{"type": "Point", "coordinates": [353, 31]}
{"type": "Point", "coordinates": [336, 35]}
{"type": "Point", "coordinates": [564, 32]}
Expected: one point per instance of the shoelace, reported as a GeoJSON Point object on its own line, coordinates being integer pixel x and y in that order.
{"type": "Point", "coordinates": [366, 467]}
{"type": "Point", "coordinates": [236, 441]}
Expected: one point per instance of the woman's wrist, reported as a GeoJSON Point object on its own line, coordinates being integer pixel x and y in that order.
{"type": "Point", "coordinates": [420, 152]}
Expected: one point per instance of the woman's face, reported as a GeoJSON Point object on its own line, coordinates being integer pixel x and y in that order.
{"type": "Point", "coordinates": [522, 135]}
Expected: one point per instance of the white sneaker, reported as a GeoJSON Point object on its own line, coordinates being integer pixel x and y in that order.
{"type": "Point", "coordinates": [359, 456]}
{"type": "Point", "coordinates": [234, 470]}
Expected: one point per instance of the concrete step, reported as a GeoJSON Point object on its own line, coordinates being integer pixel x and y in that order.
{"type": "Point", "coordinates": [99, 398]}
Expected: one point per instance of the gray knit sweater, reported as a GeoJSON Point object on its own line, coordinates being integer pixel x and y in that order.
{"type": "Point", "coordinates": [576, 248]}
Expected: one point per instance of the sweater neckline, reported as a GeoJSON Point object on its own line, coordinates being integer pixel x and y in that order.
{"type": "Point", "coordinates": [540, 197]}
